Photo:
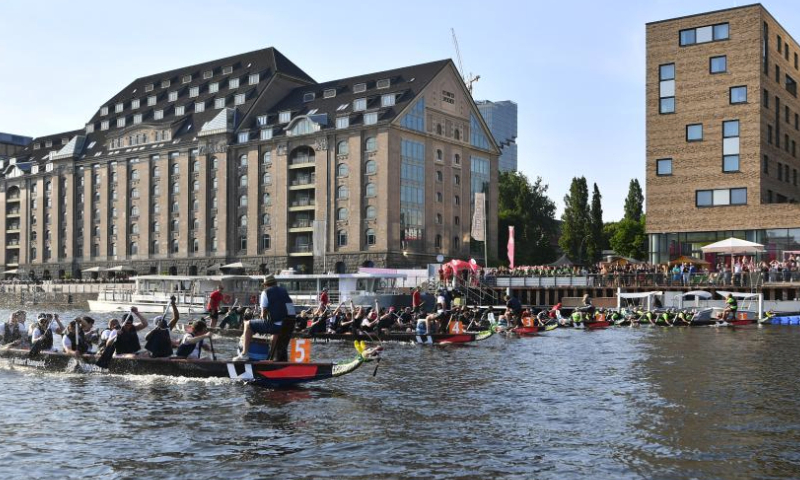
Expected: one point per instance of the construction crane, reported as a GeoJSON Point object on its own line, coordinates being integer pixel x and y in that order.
{"type": "Point", "coordinates": [468, 79]}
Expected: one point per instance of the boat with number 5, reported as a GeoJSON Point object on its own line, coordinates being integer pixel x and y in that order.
{"type": "Point", "coordinates": [260, 373]}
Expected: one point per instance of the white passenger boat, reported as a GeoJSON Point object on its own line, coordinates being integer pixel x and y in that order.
{"type": "Point", "coordinates": [151, 293]}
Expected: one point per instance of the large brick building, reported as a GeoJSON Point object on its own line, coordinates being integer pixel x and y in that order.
{"type": "Point", "coordinates": [723, 124]}
{"type": "Point", "coordinates": [249, 159]}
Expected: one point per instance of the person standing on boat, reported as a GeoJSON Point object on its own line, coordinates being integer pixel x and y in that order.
{"type": "Point", "coordinates": [277, 319]}
{"type": "Point", "coordinates": [323, 299]}
{"type": "Point", "coordinates": [127, 338]}
{"type": "Point", "coordinates": [416, 299]}
{"type": "Point", "coordinates": [214, 301]}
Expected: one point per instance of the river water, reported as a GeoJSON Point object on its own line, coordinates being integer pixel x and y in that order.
{"type": "Point", "coordinates": [650, 403]}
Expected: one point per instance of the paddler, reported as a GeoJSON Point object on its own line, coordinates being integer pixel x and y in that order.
{"type": "Point", "coordinates": [157, 340]}
{"type": "Point", "coordinates": [127, 338]}
{"type": "Point", "coordinates": [74, 341]}
{"type": "Point", "coordinates": [13, 331]}
{"type": "Point", "coordinates": [731, 305]}
{"type": "Point", "coordinates": [46, 325]}
{"type": "Point", "coordinates": [191, 345]}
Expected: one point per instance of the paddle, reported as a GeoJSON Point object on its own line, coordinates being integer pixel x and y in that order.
{"type": "Point", "coordinates": [211, 344]}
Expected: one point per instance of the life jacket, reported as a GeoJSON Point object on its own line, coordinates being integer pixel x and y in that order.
{"type": "Point", "coordinates": [127, 341]}
{"type": "Point", "coordinates": [46, 339]}
{"type": "Point", "coordinates": [159, 343]}
{"type": "Point", "coordinates": [81, 345]}
{"type": "Point", "coordinates": [186, 349]}
{"type": "Point", "coordinates": [279, 304]}
{"type": "Point", "coordinates": [11, 333]}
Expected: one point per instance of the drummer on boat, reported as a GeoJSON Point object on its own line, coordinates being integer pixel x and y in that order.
{"type": "Point", "coordinates": [277, 319]}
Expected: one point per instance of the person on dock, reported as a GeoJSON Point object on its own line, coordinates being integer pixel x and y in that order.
{"type": "Point", "coordinates": [277, 319]}
{"type": "Point", "coordinates": [127, 338]}
{"type": "Point", "coordinates": [323, 299]}
{"type": "Point", "coordinates": [214, 301]}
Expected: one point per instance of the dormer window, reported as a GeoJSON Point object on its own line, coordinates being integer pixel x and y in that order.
{"type": "Point", "coordinates": [227, 70]}
{"type": "Point", "coordinates": [118, 107]}
{"type": "Point", "coordinates": [233, 83]}
{"type": "Point", "coordinates": [158, 114]}
{"type": "Point", "coordinates": [173, 96]}
{"type": "Point", "coordinates": [165, 83]}
{"type": "Point", "coordinates": [285, 116]}
{"type": "Point", "coordinates": [239, 99]}
{"type": "Point", "coordinates": [104, 125]}
{"type": "Point", "coordinates": [342, 122]}
{"type": "Point", "coordinates": [329, 93]}
{"type": "Point", "coordinates": [266, 134]}
{"type": "Point", "coordinates": [151, 100]}
{"type": "Point", "coordinates": [186, 79]}
{"type": "Point", "coordinates": [262, 120]}
{"type": "Point", "coordinates": [120, 122]}
{"type": "Point", "coordinates": [180, 110]}
{"type": "Point", "coordinates": [359, 104]}
{"type": "Point", "coordinates": [384, 83]}
{"type": "Point", "coordinates": [213, 87]}
{"type": "Point", "coordinates": [200, 107]}
{"type": "Point", "coordinates": [208, 74]}
{"type": "Point", "coordinates": [371, 118]}
{"type": "Point", "coordinates": [387, 100]}
{"type": "Point", "coordinates": [254, 78]}
{"type": "Point", "coordinates": [37, 146]}
{"type": "Point", "coordinates": [194, 92]}
{"type": "Point", "coordinates": [359, 87]}
{"type": "Point", "coordinates": [149, 87]}
{"type": "Point", "coordinates": [244, 137]}
{"type": "Point", "coordinates": [104, 111]}
{"type": "Point", "coordinates": [136, 103]}
{"type": "Point", "coordinates": [219, 103]}
{"type": "Point", "coordinates": [48, 144]}
{"type": "Point", "coordinates": [90, 128]}
{"type": "Point", "coordinates": [137, 119]}
{"type": "Point", "coordinates": [308, 96]}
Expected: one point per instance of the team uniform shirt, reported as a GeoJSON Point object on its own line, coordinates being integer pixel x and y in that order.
{"type": "Point", "coordinates": [198, 350]}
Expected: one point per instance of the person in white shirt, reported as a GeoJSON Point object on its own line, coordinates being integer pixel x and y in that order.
{"type": "Point", "coordinates": [46, 325]}
{"type": "Point", "coordinates": [192, 344]}
{"type": "Point", "coordinates": [13, 332]}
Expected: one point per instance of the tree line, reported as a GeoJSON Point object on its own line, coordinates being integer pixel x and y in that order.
{"type": "Point", "coordinates": [581, 234]}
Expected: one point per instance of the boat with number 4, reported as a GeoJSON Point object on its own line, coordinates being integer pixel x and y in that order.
{"type": "Point", "coordinates": [261, 373]}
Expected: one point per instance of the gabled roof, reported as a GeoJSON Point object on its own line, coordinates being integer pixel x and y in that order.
{"type": "Point", "coordinates": [405, 83]}
{"type": "Point", "coordinates": [38, 152]}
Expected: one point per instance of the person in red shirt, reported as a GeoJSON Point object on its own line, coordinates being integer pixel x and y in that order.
{"type": "Point", "coordinates": [214, 301]}
{"type": "Point", "coordinates": [323, 299]}
{"type": "Point", "coordinates": [416, 299]}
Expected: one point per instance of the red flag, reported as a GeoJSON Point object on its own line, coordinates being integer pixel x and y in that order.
{"type": "Point", "coordinates": [510, 246]}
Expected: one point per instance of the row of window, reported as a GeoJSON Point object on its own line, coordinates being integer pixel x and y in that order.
{"type": "Point", "coordinates": [705, 34]}
{"type": "Point", "coordinates": [721, 197]}
{"type": "Point", "coordinates": [782, 171]}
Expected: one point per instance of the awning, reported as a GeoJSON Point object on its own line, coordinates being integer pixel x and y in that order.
{"type": "Point", "coordinates": [120, 268]}
{"type": "Point", "coordinates": [733, 246]}
{"type": "Point", "coordinates": [11, 272]}
{"type": "Point", "coordinates": [93, 270]}
{"type": "Point", "coordinates": [233, 265]}
{"type": "Point", "coordinates": [215, 266]}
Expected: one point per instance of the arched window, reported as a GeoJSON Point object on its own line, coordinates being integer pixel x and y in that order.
{"type": "Point", "coordinates": [342, 148]}
{"type": "Point", "coordinates": [154, 246]}
{"type": "Point", "coordinates": [134, 248]}
{"type": "Point", "coordinates": [176, 169]}
{"type": "Point", "coordinates": [370, 190]}
{"type": "Point", "coordinates": [214, 163]}
{"type": "Point", "coordinates": [113, 250]}
{"type": "Point", "coordinates": [266, 179]}
{"type": "Point", "coordinates": [196, 166]}
{"type": "Point", "coordinates": [371, 212]}
{"type": "Point", "coordinates": [243, 242]}
{"type": "Point", "coordinates": [195, 224]}
{"type": "Point", "coordinates": [266, 199]}
{"type": "Point", "coordinates": [457, 200]}
{"type": "Point", "coordinates": [156, 227]}
{"type": "Point", "coordinates": [457, 134]}
{"type": "Point", "coordinates": [438, 218]}
{"type": "Point", "coordinates": [243, 181]}
{"type": "Point", "coordinates": [439, 197]}
{"type": "Point", "coordinates": [456, 243]}
{"type": "Point", "coordinates": [371, 167]}
{"type": "Point", "coordinates": [341, 238]}
{"type": "Point", "coordinates": [214, 202]}
{"type": "Point", "coordinates": [214, 183]}
{"type": "Point", "coordinates": [115, 177]}
{"type": "Point", "coordinates": [114, 231]}
{"type": "Point", "coordinates": [176, 207]}
{"type": "Point", "coordinates": [156, 189]}
{"type": "Point", "coordinates": [265, 219]}
{"type": "Point", "coordinates": [196, 185]}
{"type": "Point", "coordinates": [371, 145]}
{"type": "Point", "coordinates": [438, 242]}
{"type": "Point", "coordinates": [48, 187]}
{"type": "Point", "coordinates": [156, 172]}
{"type": "Point", "coordinates": [302, 155]}
{"type": "Point", "coordinates": [457, 220]}
{"type": "Point", "coordinates": [457, 158]}
{"type": "Point", "coordinates": [243, 221]}
{"type": "Point", "coordinates": [342, 170]}
{"type": "Point", "coordinates": [175, 246]}
{"type": "Point", "coordinates": [438, 129]}
{"type": "Point", "coordinates": [266, 241]}
{"type": "Point", "coordinates": [134, 228]}
{"type": "Point", "coordinates": [342, 214]}
{"type": "Point", "coordinates": [156, 207]}
{"type": "Point", "coordinates": [243, 160]}
{"type": "Point", "coordinates": [342, 192]}
{"type": "Point", "coordinates": [176, 187]}
{"type": "Point", "coordinates": [175, 225]}
{"type": "Point", "coordinates": [134, 193]}
{"type": "Point", "coordinates": [267, 158]}
{"type": "Point", "coordinates": [371, 238]}
{"type": "Point", "coordinates": [195, 205]}
{"type": "Point", "coordinates": [439, 154]}
{"type": "Point", "coordinates": [195, 246]}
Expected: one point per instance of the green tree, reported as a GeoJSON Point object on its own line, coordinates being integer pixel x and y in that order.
{"type": "Point", "coordinates": [634, 201]}
{"type": "Point", "coordinates": [595, 243]}
{"type": "Point", "coordinates": [531, 212]}
{"type": "Point", "coordinates": [628, 238]}
{"type": "Point", "coordinates": [575, 226]}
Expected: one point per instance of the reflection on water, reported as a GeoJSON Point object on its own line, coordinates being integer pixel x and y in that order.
{"type": "Point", "coordinates": [626, 403]}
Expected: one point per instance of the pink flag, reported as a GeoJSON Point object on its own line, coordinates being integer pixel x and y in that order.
{"type": "Point", "coordinates": [510, 246]}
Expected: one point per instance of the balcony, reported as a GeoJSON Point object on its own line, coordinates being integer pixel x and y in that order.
{"type": "Point", "coordinates": [301, 182]}
{"type": "Point", "coordinates": [301, 250]}
{"type": "Point", "coordinates": [302, 204]}
{"type": "Point", "coordinates": [301, 225]}
{"type": "Point", "coordinates": [301, 161]}
{"type": "Point", "coordinates": [13, 213]}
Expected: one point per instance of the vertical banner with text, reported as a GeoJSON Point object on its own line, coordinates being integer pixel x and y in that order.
{"type": "Point", "coordinates": [510, 246]}
{"type": "Point", "coordinates": [479, 218]}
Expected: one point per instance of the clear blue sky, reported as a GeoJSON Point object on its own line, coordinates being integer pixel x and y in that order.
{"type": "Point", "coordinates": [576, 68]}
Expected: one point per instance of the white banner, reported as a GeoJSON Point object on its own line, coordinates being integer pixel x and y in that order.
{"type": "Point", "coordinates": [479, 218]}
{"type": "Point", "coordinates": [318, 238]}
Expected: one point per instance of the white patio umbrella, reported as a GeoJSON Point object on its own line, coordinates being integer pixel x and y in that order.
{"type": "Point", "coordinates": [733, 246]}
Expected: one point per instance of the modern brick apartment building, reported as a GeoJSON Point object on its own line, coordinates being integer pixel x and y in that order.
{"type": "Point", "coordinates": [249, 159]}
{"type": "Point", "coordinates": [723, 127]}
